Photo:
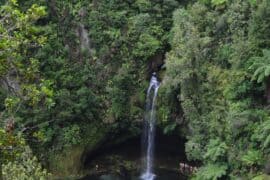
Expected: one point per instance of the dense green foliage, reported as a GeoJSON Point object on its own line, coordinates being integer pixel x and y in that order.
{"type": "Point", "coordinates": [25, 167]}
{"type": "Point", "coordinates": [219, 65]}
{"type": "Point", "coordinates": [73, 74]}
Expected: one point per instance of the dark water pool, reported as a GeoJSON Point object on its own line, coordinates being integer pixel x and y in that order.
{"type": "Point", "coordinates": [169, 152]}
{"type": "Point", "coordinates": [160, 175]}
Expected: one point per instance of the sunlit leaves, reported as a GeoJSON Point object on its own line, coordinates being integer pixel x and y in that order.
{"type": "Point", "coordinates": [25, 166]}
{"type": "Point", "coordinates": [11, 103]}
{"type": "Point", "coordinates": [10, 145]}
{"type": "Point", "coordinates": [35, 12]}
{"type": "Point", "coordinates": [253, 2]}
{"type": "Point", "coordinates": [218, 2]}
{"type": "Point", "coordinates": [18, 31]}
{"type": "Point", "coordinates": [214, 2]}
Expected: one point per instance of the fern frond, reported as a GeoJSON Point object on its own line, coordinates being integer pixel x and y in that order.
{"type": "Point", "coordinates": [267, 71]}
{"type": "Point", "coordinates": [258, 71]}
{"type": "Point", "coordinates": [261, 66]}
{"type": "Point", "coordinates": [211, 172]}
{"type": "Point", "coordinates": [253, 157]}
{"type": "Point", "coordinates": [215, 149]}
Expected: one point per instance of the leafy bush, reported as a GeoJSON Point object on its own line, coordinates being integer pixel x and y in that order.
{"type": "Point", "coordinates": [252, 158]}
{"type": "Point", "coordinates": [25, 167]}
{"type": "Point", "coordinates": [146, 46]}
{"type": "Point", "coordinates": [211, 172]}
{"type": "Point", "coordinates": [261, 66]}
{"type": "Point", "coordinates": [216, 149]}
{"type": "Point", "coordinates": [71, 136]}
{"type": "Point", "coordinates": [215, 52]}
{"type": "Point", "coordinates": [262, 134]}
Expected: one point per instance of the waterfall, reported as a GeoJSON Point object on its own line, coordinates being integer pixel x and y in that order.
{"type": "Point", "coordinates": [149, 130]}
{"type": "Point", "coordinates": [84, 39]}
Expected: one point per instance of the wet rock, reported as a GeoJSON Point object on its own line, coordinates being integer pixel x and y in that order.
{"type": "Point", "coordinates": [124, 173]}
{"type": "Point", "coordinates": [155, 63]}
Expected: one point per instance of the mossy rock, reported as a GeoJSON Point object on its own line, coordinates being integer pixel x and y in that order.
{"type": "Point", "coordinates": [70, 161]}
{"type": "Point", "coordinates": [66, 163]}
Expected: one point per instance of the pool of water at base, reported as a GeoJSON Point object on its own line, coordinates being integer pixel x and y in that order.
{"type": "Point", "coordinates": [160, 175]}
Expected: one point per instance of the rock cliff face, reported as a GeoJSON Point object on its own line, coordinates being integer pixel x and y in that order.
{"type": "Point", "coordinates": [71, 161]}
{"type": "Point", "coordinates": [155, 63]}
{"type": "Point", "coordinates": [169, 152]}
{"type": "Point", "coordinates": [10, 84]}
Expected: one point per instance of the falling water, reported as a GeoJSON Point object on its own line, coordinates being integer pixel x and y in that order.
{"type": "Point", "coordinates": [84, 39]}
{"type": "Point", "coordinates": [149, 130]}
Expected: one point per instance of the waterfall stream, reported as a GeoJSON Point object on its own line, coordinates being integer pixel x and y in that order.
{"type": "Point", "coordinates": [149, 130]}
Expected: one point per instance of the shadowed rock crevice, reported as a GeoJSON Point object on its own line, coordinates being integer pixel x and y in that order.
{"type": "Point", "coordinates": [169, 152]}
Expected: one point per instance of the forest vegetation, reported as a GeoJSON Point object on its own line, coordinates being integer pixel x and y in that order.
{"type": "Point", "coordinates": [73, 76]}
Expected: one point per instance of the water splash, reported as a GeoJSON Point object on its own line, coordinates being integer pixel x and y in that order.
{"type": "Point", "coordinates": [149, 130]}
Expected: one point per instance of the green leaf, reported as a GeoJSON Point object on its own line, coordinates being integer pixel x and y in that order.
{"type": "Point", "coordinates": [267, 71]}
{"type": "Point", "coordinates": [253, 157]}
{"type": "Point", "coordinates": [259, 71]}
{"type": "Point", "coordinates": [260, 78]}
{"type": "Point", "coordinates": [266, 142]}
{"type": "Point", "coordinates": [218, 2]}
{"type": "Point", "coordinates": [169, 128]}
{"type": "Point", "coordinates": [253, 2]}
{"type": "Point", "coordinates": [211, 172]}
{"type": "Point", "coordinates": [215, 149]}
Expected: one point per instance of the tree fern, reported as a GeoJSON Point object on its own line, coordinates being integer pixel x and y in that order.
{"type": "Point", "coordinates": [262, 134]}
{"type": "Point", "coordinates": [261, 66]}
{"type": "Point", "coordinates": [215, 149]}
{"type": "Point", "coordinates": [211, 172]}
{"type": "Point", "coordinates": [253, 157]}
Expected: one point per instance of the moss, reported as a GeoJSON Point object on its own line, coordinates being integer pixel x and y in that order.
{"type": "Point", "coordinates": [66, 163]}
{"type": "Point", "coordinates": [70, 161]}
{"type": "Point", "coordinates": [94, 134]}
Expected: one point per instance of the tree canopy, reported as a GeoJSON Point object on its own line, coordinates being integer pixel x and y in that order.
{"type": "Point", "coordinates": [73, 75]}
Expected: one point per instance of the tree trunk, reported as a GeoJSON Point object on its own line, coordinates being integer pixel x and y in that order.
{"type": "Point", "coordinates": [1, 175]}
{"type": "Point", "coordinates": [52, 8]}
{"type": "Point", "coordinates": [267, 91]}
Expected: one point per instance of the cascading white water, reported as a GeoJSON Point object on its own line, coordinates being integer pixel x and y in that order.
{"type": "Point", "coordinates": [82, 33]}
{"type": "Point", "coordinates": [149, 130]}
